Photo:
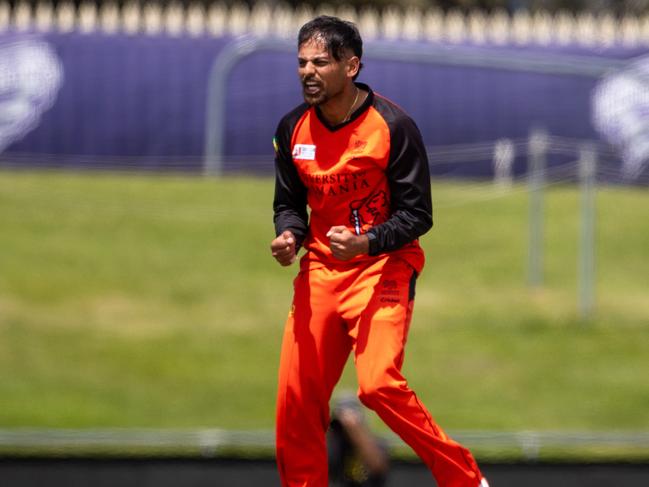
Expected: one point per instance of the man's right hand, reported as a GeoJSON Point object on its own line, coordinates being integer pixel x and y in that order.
{"type": "Point", "coordinates": [283, 248]}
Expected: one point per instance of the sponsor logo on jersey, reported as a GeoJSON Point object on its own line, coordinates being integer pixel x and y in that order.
{"type": "Point", "coordinates": [305, 152]}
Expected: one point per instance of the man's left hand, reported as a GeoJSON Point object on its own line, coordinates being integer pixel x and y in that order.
{"type": "Point", "coordinates": [346, 245]}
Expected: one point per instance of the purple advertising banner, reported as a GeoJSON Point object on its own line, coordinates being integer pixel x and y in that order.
{"type": "Point", "coordinates": [126, 99]}
{"type": "Point", "coordinates": [141, 101]}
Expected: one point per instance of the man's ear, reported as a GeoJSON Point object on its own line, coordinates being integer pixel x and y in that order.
{"type": "Point", "coordinates": [353, 66]}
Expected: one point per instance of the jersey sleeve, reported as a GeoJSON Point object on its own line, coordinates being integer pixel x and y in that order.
{"type": "Point", "coordinates": [411, 209]}
{"type": "Point", "coordinates": [290, 201]}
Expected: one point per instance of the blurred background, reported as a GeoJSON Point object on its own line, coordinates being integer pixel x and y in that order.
{"type": "Point", "coordinates": [141, 312]}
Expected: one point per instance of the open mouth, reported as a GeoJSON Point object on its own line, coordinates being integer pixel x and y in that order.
{"type": "Point", "coordinates": [311, 87]}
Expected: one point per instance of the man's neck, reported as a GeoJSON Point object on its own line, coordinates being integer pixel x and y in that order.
{"type": "Point", "coordinates": [339, 109]}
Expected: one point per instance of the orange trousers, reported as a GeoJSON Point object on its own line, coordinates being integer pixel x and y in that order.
{"type": "Point", "coordinates": [365, 308]}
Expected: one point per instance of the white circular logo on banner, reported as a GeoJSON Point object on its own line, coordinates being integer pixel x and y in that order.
{"type": "Point", "coordinates": [30, 77]}
{"type": "Point", "coordinates": [621, 115]}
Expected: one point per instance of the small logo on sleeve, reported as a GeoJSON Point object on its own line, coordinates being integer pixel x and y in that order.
{"type": "Point", "coordinates": [305, 152]}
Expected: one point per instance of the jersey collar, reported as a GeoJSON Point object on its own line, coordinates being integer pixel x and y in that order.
{"type": "Point", "coordinates": [357, 113]}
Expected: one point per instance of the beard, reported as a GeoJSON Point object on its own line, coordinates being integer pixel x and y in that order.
{"type": "Point", "coordinates": [314, 92]}
{"type": "Point", "coordinates": [315, 100]}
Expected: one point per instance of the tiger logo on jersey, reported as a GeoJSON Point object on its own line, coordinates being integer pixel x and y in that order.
{"type": "Point", "coordinates": [371, 211]}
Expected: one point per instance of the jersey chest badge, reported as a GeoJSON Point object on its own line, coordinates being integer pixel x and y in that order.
{"type": "Point", "coordinates": [304, 152]}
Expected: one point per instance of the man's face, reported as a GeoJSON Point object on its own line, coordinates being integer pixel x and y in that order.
{"type": "Point", "coordinates": [321, 75]}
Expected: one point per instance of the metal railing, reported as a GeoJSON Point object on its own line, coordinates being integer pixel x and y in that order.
{"type": "Point", "coordinates": [529, 445]}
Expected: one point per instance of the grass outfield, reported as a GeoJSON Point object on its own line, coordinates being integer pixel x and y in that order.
{"type": "Point", "coordinates": [149, 301]}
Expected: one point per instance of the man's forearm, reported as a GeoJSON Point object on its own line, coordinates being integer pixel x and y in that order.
{"type": "Point", "coordinates": [293, 221]}
{"type": "Point", "coordinates": [402, 227]}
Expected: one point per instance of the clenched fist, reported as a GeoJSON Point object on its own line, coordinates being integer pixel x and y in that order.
{"type": "Point", "coordinates": [346, 245]}
{"type": "Point", "coordinates": [283, 248]}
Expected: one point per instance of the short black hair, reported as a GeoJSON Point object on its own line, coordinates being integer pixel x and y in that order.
{"type": "Point", "coordinates": [336, 34]}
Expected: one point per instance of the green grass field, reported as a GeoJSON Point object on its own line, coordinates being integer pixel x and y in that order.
{"type": "Point", "coordinates": [152, 301]}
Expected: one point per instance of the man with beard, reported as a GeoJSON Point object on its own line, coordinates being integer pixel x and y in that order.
{"type": "Point", "coordinates": [355, 288]}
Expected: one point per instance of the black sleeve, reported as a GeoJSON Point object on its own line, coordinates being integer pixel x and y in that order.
{"type": "Point", "coordinates": [289, 204]}
{"type": "Point", "coordinates": [411, 209]}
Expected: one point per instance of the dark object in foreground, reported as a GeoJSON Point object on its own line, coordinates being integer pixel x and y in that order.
{"type": "Point", "coordinates": [357, 457]}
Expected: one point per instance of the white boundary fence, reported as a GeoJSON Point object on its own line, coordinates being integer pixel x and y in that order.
{"type": "Point", "coordinates": [410, 23]}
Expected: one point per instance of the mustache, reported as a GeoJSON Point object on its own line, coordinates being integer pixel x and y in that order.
{"type": "Point", "coordinates": [310, 79]}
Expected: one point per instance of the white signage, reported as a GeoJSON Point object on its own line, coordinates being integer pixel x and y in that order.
{"type": "Point", "coordinates": [30, 77]}
{"type": "Point", "coordinates": [621, 115]}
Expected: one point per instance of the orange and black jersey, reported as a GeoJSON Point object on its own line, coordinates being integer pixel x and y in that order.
{"type": "Point", "coordinates": [369, 173]}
